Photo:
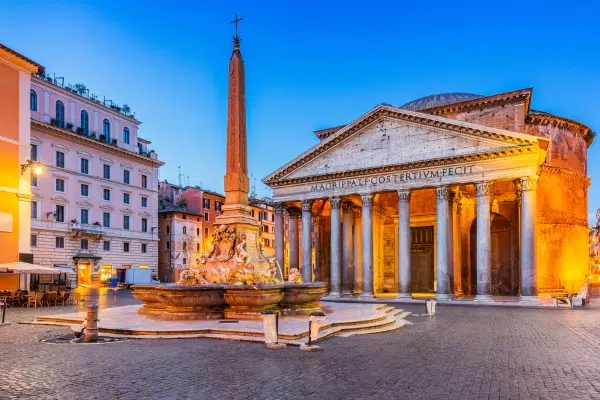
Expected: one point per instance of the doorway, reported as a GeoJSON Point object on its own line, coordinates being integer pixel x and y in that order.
{"type": "Point", "coordinates": [422, 259]}
{"type": "Point", "coordinates": [84, 274]}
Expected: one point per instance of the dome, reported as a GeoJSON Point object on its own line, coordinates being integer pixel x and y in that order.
{"type": "Point", "coordinates": [436, 100]}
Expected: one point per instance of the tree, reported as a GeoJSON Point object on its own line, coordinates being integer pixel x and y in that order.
{"type": "Point", "coordinates": [126, 109]}
{"type": "Point", "coordinates": [81, 88]}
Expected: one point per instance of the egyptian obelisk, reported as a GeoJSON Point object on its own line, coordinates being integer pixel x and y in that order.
{"type": "Point", "coordinates": [236, 211]}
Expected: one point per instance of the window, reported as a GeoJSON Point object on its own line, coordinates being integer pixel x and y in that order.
{"type": "Point", "coordinates": [106, 171]}
{"type": "Point", "coordinates": [59, 213]}
{"type": "Point", "coordinates": [265, 215]}
{"type": "Point", "coordinates": [60, 113]}
{"type": "Point", "coordinates": [168, 229]}
{"type": "Point", "coordinates": [126, 176]}
{"type": "Point", "coordinates": [168, 245]}
{"type": "Point", "coordinates": [33, 100]}
{"type": "Point", "coordinates": [106, 219]}
{"type": "Point", "coordinates": [60, 159]}
{"type": "Point", "coordinates": [33, 154]}
{"type": "Point", "coordinates": [184, 261]}
{"type": "Point", "coordinates": [265, 229]}
{"type": "Point", "coordinates": [34, 180]}
{"type": "Point", "coordinates": [85, 166]}
{"type": "Point", "coordinates": [126, 135]}
{"type": "Point", "coordinates": [185, 217]}
{"type": "Point", "coordinates": [184, 230]}
{"type": "Point", "coordinates": [85, 122]}
{"type": "Point", "coordinates": [34, 213]}
{"type": "Point", "coordinates": [273, 217]}
{"type": "Point", "coordinates": [126, 247]}
{"type": "Point", "coordinates": [144, 247]}
{"type": "Point", "coordinates": [85, 190]}
{"type": "Point", "coordinates": [144, 181]}
{"type": "Point", "coordinates": [198, 231]}
{"type": "Point", "coordinates": [106, 194]}
{"type": "Point", "coordinates": [126, 198]}
{"type": "Point", "coordinates": [252, 213]}
{"type": "Point", "coordinates": [33, 240]}
{"type": "Point", "coordinates": [197, 246]}
{"type": "Point", "coordinates": [144, 225]}
{"type": "Point", "coordinates": [106, 245]}
{"type": "Point", "coordinates": [84, 244]}
{"type": "Point", "coordinates": [60, 185]}
{"type": "Point", "coordinates": [267, 243]}
{"type": "Point", "coordinates": [126, 222]}
{"type": "Point", "coordinates": [184, 246]}
{"type": "Point", "coordinates": [144, 202]}
{"type": "Point", "coordinates": [205, 232]}
{"type": "Point", "coordinates": [206, 203]}
{"type": "Point", "coordinates": [85, 216]}
{"type": "Point", "coordinates": [106, 130]}
{"type": "Point", "coordinates": [217, 205]}
{"type": "Point", "coordinates": [59, 241]}
{"type": "Point", "coordinates": [206, 216]}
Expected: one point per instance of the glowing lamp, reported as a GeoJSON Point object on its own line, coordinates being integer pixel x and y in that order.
{"type": "Point", "coordinates": [37, 170]}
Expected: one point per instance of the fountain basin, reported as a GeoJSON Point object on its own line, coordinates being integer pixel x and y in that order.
{"type": "Point", "coordinates": [303, 298]}
{"type": "Point", "coordinates": [197, 302]}
{"type": "Point", "coordinates": [247, 302]}
{"type": "Point", "coordinates": [180, 302]}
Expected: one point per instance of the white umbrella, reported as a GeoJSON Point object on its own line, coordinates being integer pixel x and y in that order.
{"type": "Point", "coordinates": [20, 267]}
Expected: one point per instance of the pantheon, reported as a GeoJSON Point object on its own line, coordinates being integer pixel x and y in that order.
{"type": "Point", "coordinates": [454, 194]}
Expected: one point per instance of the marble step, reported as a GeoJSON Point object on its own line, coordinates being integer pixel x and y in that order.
{"type": "Point", "coordinates": [387, 328]}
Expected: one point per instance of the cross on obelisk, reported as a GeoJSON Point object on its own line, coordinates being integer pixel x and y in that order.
{"type": "Point", "coordinates": [235, 21]}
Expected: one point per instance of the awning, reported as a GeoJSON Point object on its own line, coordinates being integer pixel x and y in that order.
{"type": "Point", "coordinates": [64, 269]}
{"type": "Point", "coordinates": [26, 268]}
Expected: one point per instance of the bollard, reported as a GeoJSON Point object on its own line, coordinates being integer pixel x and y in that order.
{"type": "Point", "coordinates": [313, 331]}
{"type": "Point", "coordinates": [271, 329]}
{"type": "Point", "coordinates": [430, 304]}
{"type": "Point", "coordinates": [91, 328]}
{"type": "Point", "coordinates": [3, 305]}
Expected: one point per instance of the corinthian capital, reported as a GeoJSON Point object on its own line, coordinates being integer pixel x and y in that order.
{"type": "Point", "coordinates": [347, 206]}
{"type": "Point", "coordinates": [404, 196]}
{"type": "Point", "coordinates": [278, 208]}
{"type": "Point", "coordinates": [442, 193]}
{"type": "Point", "coordinates": [528, 183]}
{"type": "Point", "coordinates": [483, 188]}
{"type": "Point", "coordinates": [307, 205]}
{"type": "Point", "coordinates": [367, 200]}
{"type": "Point", "coordinates": [335, 202]}
{"type": "Point", "coordinates": [293, 212]}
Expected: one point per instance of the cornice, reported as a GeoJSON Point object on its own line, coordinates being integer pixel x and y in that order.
{"type": "Point", "coordinates": [566, 172]}
{"type": "Point", "coordinates": [541, 118]}
{"type": "Point", "coordinates": [106, 148]}
{"type": "Point", "coordinates": [504, 153]}
{"type": "Point", "coordinates": [418, 118]}
{"type": "Point", "coordinates": [484, 102]}
{"type": "Point", "coordinates": [19, 60]}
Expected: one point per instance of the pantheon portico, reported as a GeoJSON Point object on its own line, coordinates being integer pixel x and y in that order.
{"type": "Point", "coordinates": [402, 201]}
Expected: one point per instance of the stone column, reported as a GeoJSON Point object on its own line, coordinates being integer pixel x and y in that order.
{"type": "Point", "coordinates": [484, 248]}
{"type": "Point", "coordinates": [441, 239]}
{"type": "Point", "coordinates": [458, 246]}
{"type": "Point", "coordinates": [529, 282]}
{"type": "Point", "coordinates": [357, 247]}
{"type": "Point", "coordinates": [347, 250]}
{"type": "Point", "coordinates": [279, 239]}
{"type": "Point", "coordinates": [336, 248]}
{"type": "Point", "coordinates": [307, 241]}
{"type": "Point", "coordinates": [404, 290]}
{"type": "Point", "coordinates": [293, 237]}
{"type": "Point", "coordinates": [318, 237]}
{"type": "Point", "coordinates": [367, 246]}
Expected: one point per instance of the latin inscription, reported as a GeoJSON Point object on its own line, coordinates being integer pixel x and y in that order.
{"type": "Point", "coordinates": [393, 178]}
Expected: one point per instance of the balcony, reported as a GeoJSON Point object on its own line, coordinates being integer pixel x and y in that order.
{"type": "Point", "coordinates": [78, 230]}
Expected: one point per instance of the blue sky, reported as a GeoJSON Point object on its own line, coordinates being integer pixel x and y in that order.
{"type": "Point", "coordinates": [309, 65]}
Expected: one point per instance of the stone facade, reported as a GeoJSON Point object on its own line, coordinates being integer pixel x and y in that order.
{"type": "Point", "coordinates": [526, 167]}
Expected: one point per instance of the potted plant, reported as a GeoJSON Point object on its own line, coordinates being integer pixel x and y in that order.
{"type": "Point", "coordinates": [102, 137]}
{"type": "Point", "coordinates": [49, 78]}
{"type": "Point", "coordinates": [73, 221]}
{"type": "Point", "coordinates": [70, 126]}
{"type": "Point", "coordinates": [96, 223]}
{"type": "Point", "coordinates": [53, 122]}
{"type": "Point", "coordinates": [79, 130]}
{"type": "Point", "coordinates": [114, 142]}
{"type": "Point", "coordinates": [126, 109]}
{"type": "Point", "coordinates": [93, 135]}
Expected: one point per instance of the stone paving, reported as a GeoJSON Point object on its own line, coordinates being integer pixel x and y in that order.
{"type": "Point", "coordinates": [461, 353]}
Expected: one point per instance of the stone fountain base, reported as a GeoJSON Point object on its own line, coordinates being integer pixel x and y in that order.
{"type": "Point", "coordinates": [203, 302]}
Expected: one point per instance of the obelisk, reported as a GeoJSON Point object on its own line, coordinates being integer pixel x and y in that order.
{"type": "Point", "coordinates": [236, 211]}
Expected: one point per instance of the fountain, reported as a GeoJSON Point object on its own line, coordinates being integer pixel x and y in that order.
{"type": "Point", "coordinates": [235, 279]}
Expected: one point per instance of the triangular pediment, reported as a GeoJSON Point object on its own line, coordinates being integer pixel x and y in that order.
{"type": "Point", "coordinates": [388, 136]}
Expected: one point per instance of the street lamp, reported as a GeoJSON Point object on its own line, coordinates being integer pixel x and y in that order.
{"type": "Point", "coordinates": [36, 168]}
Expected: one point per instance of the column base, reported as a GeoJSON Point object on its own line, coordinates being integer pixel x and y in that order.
{"type": "Point", "coordinates": [443, 297]}
{"type": "Point", "coordinates": [347, 294]}
{"type": "Point", "coordinates": [484, 298]}
{"type": "Point", "coordinates": [404, 296]}
{"type": "Point", "coordinates": [367, 296]}
{"type": "Point", "coordinates": [335, 294]}
{"type": "Point", "coordinates": [530, 300]}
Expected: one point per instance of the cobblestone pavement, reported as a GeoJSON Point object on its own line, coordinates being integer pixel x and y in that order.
{"type": "Point", "coordinates": [461, 353]}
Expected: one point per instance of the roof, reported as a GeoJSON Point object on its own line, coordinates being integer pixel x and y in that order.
{"type": "Point", "coordinates": [437, 100]}
{"type": "Point", "coordinates": [38, 68]}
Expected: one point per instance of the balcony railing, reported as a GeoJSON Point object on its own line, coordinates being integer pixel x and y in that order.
{"type": "Point", "coordinates": [86, 229]}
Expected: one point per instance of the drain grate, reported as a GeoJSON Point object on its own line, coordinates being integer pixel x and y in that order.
{"type": "Point", "coordinates": [71, 339]}
{"type": "Point", "coordinates": [229, 321]}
